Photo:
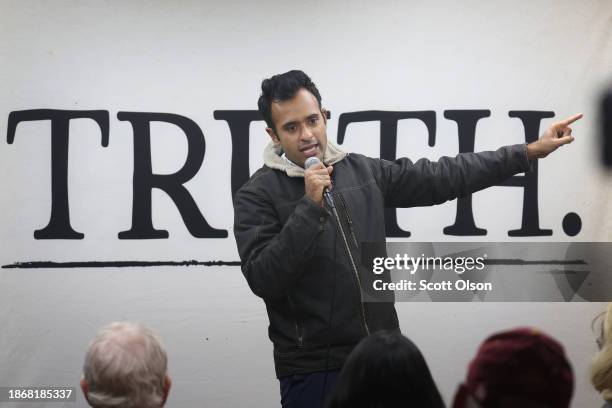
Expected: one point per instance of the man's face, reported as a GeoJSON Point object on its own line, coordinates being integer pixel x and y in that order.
{"type": "Point", "coordinates": [301, 128]}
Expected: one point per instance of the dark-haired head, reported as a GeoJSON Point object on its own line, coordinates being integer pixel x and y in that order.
{"type": "Point", "coordinates": [385, 370]}
{"type": "Point", "coordinates": [282, 87]}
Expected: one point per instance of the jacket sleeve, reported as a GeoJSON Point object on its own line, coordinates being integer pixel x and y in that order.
{"type": "Point", "coordinates": [273, 255]}
{"type": "Point", "coordinates": [408, 184]}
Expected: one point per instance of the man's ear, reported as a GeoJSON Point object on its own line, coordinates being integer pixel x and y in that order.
{"type": "Point", "coordinates": [84, 388]}
{"type": "Point", "coordinates": [167, 385]}
{"type": "Point", "coordinates": [324, 113]}
{"type": "Point", "coordinates": [273, 135]}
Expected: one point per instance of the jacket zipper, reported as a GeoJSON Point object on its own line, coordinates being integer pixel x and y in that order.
{"type": "Point", "coordinates": [350, 221]}
{"type": "Point", "coordinates": [350, 255]}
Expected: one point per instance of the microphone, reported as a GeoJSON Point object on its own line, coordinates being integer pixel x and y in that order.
{"type": "Point", "coordinates": [312, 161]}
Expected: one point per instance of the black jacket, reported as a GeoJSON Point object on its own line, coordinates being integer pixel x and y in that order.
{"type": "Point", "coordinates": [294, 258]}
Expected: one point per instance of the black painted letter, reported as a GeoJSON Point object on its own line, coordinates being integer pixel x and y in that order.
{"type": "Point", "coordinates": [466, 130]}
{"type": "Point", "coordinates": [239, 122]}
{"type": "Point", "coordinates": [531, 219]}
{"type": "Point", "coordinates": [388, 144]}
{"type": "Point", "coordinates": [59, 225]}
{"type": "Point", "coordinates": [145, 181]}
{"type": "Point", "coordinates": [464, 221]}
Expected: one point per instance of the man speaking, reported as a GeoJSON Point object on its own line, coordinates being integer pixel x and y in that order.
{"type": "Point", "coordinates": [300, 252]}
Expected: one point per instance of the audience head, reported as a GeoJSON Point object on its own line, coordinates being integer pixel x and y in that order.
{"type": "Point", "coordinates": [601, 370]}
{"type": "Point", "coordinates": [517, 368]}
{"type": "Point", "coordinates": [125, 367]}
{"type": "Point", "coordinates": [385, 370]}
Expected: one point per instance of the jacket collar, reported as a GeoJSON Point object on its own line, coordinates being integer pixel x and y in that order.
{"type": "Point", "coordinates": [272, 158]}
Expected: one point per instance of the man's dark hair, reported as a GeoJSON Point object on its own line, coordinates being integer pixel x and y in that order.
{"type": "Point", "coordinates": [282, 87]}
{"type": "Point", "coordinates": [385, 370]}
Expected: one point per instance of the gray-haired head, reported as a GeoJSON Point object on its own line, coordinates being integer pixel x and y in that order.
{"type": "Point", "coordinates": [125, 367]}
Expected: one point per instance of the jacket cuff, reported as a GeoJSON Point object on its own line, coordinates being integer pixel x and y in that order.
{"type": "Point", "coordinates": [313, 211]}
{"type": "Point", "coordinates": [527, 164]}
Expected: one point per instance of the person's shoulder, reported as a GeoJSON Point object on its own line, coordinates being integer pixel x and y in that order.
{"type": "Point", "coordinates": [352, 156]}
{"type": "Point", "coordinates": [358, 159]}
{"type": "Point", "coordinates": [260, 182]}
{"type": "Point", "coordinates": [361, 168]}
{"type": "Point", "coordinates": [260, 175]}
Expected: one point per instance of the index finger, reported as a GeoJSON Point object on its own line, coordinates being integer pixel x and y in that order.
{"type": "Point", "coordinates": [571, 119]}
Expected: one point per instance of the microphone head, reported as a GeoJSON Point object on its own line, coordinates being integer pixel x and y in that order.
{"type": "Point", "coordinates": [311, 161]}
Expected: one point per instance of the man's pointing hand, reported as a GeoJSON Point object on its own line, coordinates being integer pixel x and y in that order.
{"type": "Point", "coordinates": [557, 135]}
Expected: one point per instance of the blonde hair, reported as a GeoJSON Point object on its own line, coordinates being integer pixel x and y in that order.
{"type": "Point", "coordinates": [601, 369]}
{"type": "Point", "coordinates": [125, 367]}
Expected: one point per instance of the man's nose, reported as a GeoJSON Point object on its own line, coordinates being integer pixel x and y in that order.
{"type": "Point", "coordinates": [306, 133]}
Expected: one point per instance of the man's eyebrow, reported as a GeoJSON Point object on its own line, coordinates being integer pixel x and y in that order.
{"type": "Point", "coordinates": [293, 122]}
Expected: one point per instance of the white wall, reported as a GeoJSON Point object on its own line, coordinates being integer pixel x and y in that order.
{"type": "Point", "coordinates": [192, 58]}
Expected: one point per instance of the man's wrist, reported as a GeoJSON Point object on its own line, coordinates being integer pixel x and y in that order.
{"type": "Point", "coordinates": [532, 151]}
{"type": "Point", "coordinates": [319, 203]}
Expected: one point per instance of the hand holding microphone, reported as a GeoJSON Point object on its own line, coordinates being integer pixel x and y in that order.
{"type": "Point", "coordinates": [317, 179]}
